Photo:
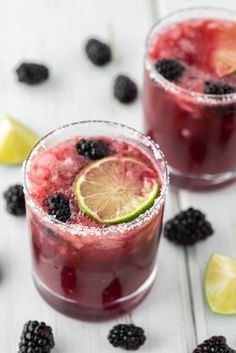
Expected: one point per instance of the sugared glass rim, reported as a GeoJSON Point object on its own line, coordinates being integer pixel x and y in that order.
{"type": "Point", "coordinates": [77, 229]}
{"type": "Point", "coordinates": [212, 99]}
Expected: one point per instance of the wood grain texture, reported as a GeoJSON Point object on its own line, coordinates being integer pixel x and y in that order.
{"type": "Point", "coordinates": [54, 31]}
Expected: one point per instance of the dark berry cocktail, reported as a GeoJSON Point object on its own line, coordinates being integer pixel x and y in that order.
{"type": "Point", "coordinates": [190, 95]}
{"type": "Point", "coordinates": [95, 195]}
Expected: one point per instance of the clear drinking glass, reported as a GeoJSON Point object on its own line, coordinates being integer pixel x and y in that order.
{"type": "Point", "coordinates": [196, 131]}
{"type": "Point", "coordinates": [88, 272]}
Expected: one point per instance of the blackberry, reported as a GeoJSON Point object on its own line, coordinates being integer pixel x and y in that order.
{"type": "Point", "coordinates": [216, 344]}
{"type": "Point", "coordinates": [98, 52]}
{"type": "Point", "coordinates": [188, 227]}
{"type": "Point", "coordinates": [15, 200]}
{"type": "Point", "coordinates": [129, 337]}
{"type": "Point", "coordinates": [36, 338]}
{"type": "Point", "coordinates": [211, 87]}
{"type": "Point", "coordinates": [58, 206]}
{"type": "Point", "coordinates": [83, 147]}
{"type": "Point", "coordinates": [170, 69]}
{"type": "Point", "coordinates": [125, 90]}
{"type": "Point", "coordinates": [99, 150]}
{"type": "Point", "coordinates": [92, 149]}
{"type": "Point", "coordinates": [32, 73]}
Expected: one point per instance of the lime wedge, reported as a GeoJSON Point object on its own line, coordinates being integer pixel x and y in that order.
{"type": "Point", "coordinates": [116, 189]}
{"type": "Point", "coordinates": [224, 54]}
{"type": "Point", "coordinates": [225, 62]}
{"type": "Point", "coordinates": [16, 141]}
{"type": "Point", "coordinates": [220, 284]}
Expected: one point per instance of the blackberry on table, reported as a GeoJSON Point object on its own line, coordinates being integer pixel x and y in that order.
{"type": "Point", "coordinates": [129, 337]}
{"type": "Point", "coordinates": [125, 90]}
{"type": "Point", "coordinates": [98, 52]}
{"type": "Point", "coordinates": [92, 149]}
{"type": "Point", "coordinates": [36, 338]}
{"type": "Point", "coordinates": [170, 69]}
{"type": "Point", "coordinates": [216, 344]}
{"type": "Point", "coordinates": [188, 227]}
{"type": "Point", "coordinates": [15, 200]}
{"type": "Point", "coordinates": [32, 73]}
{"type": "Point", "coordinates": [211, 87]}
{"type": "Point", "coordinates": [59, 207]}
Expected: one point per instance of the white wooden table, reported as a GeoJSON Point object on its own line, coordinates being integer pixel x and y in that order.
{"type": "Point", "coordinates": [175, 315]}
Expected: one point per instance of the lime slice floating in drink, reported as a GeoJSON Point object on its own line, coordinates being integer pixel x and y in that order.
{"type": "Point", "coordinates": [116, 189]}
{"type": "Point", "coordinates": [225, 62]}
{"type": "Point", "coordinates": [224, 53]}
{"type": "Point", "coordinates": [16, 141]}
{"type": "Point", "coordinates": [220, 284]}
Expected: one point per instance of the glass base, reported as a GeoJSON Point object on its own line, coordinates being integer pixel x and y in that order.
{"type": "Point", "coordinates": [74, 309]}
{"type": "Point", "coordinates": [202, 182]}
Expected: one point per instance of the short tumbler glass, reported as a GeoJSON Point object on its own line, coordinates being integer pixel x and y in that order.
{"type": "Point", "coordinates": [196, 131]}
{"type": "Point", "coordinates": [95, 273]}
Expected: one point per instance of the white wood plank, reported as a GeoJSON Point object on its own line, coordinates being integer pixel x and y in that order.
{"type": "Point", "coordinates": [54, 31]}
{"type": "Point", "coordinates": [167, 6]}
{"type": "Point", "coordinates": [220, 209]}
